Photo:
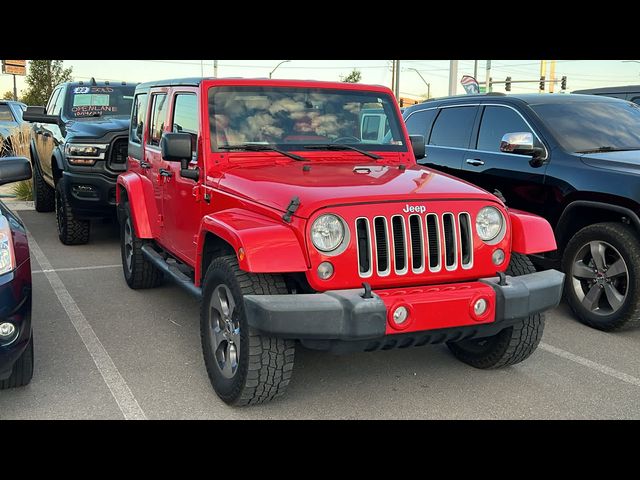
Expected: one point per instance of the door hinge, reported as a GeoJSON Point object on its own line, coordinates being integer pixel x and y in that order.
{"type": "Point", "coordinates": [160, 219]}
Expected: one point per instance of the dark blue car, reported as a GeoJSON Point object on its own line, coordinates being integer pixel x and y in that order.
{"type": "Point", "coordinates": [16, 338]}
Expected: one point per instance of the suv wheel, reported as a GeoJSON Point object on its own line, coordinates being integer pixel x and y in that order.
{"type": "Point", "coordinates": [22, 372]}
{"type": "Point", "coordinates": [138, 271]}
{"type": "Point", "coordinates": [43, 194]}
{"type": "Point", "coordinates": [511, 345]}
{"type": "Point", "coordinates": [244, 366]}
{"type": "Point", "coordinates": [71, 231]}
{"type": "Point", "coordinates": [602, 266]}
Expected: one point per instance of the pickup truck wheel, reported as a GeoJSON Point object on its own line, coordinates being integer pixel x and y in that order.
{"type": "Point", "coordinates": [71, 231]}
{"type": "Point", "coordinates": [138, 271]}
{"type": "Point", "coordinates": [22, 372]}
{"type": "Point", "coordinates": [509, 346]}
{"type": "Point", "coordinates": [244, 366]}
{"type": "Point", "coordinates": [43, 194]}
{"type": "Point", "coordinates": [602, 267]}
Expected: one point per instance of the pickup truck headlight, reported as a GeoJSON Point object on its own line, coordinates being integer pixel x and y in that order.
{"type": "Point", "coordinates": [7, 259]}
{"type": "Point", "coordinates": [489, 223]}
{"type": "Point", "coordinates": [327, 232]}
{"type": "Point", "coordinates": [85, 153]}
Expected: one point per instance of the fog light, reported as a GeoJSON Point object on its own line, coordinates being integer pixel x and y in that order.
{"type": "Point", "coordinates": [325, 270]}
{"type": "Point", "coordinates": [480, 307]}
{"type": "Point", "coordinates": [400, 315]}
{"type": "Point", "coordinates": [498, 256]}
{"type": "Point", "coordinates": [6, 330]}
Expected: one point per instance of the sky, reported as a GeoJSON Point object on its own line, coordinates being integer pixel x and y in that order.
{"type": "Point", "coordinates": [580, 73]}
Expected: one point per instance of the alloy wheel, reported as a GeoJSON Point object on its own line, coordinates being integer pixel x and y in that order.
{"type": "Point", "coordinates": [224, 330]}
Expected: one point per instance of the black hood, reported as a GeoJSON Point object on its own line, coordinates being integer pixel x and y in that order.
{"type": "Point", "coordinates": [97, 128]}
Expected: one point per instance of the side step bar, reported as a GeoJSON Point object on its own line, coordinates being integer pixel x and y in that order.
{"type": "Point", "coordinates": [171, 271]}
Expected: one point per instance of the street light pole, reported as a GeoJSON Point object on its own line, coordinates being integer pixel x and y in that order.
{"type": "Point", "coordinates": [284, 61]}
{"type": "Point", "coordinates": [426, 83]}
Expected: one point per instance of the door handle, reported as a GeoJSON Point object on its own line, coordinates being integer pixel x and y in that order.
{"type": "Point", "coordinates": [144, 164]}
{"type": "Point", "coordinates": [475, 162]}
{"type": "Point", "coordinates": [165, 173]}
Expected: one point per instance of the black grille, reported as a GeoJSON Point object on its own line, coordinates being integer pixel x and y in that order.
{"type": "Point", "coordinates": [416, 241]}
{"type": "Point", "coordinates": [382, 247]}
{"type": "Point", "coordinates": [364, 260]}
{"type": "Point", "coordinates": [449, 240]}
{"type": "Point", "coordinates": [118, 155]}
{"type": "Point", "coordinates": [398, 243]}
{"type": "Point", "coordinates": [465, 238]}
{"type": "Point", "coordinates": [434, 248]}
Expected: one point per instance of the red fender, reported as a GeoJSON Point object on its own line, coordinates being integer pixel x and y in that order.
{"type": "Point", "coordinates": [530, 233]}
{"type": "Point", "coordinates": [138, 190]}
{"type": "Point", "coordinates": [267, 246]}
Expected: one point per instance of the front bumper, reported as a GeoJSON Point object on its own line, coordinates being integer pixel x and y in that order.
{"type": "Point", "coordinates": [90, 195]}
{"type": "Point", "coordinates": [15, 307]}
{"type": "Point", "coordinates": [344, 315]}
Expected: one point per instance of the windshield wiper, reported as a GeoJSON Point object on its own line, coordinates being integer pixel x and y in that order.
{"type": "Point", "coordinates": [607, 148]}
{"type": "Point", "coordinates": [254, 147]}
{"type": "Point", "coordinates": [341, 146]}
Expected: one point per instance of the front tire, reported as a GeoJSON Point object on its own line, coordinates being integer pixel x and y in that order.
{"type": "Point", "coordinates": [71, 231]}
{"type": "Point", "coordinates": [43, 193]}
{"type": "Point", "coordinates": [244, 366]}
{"type": "Point", "coordinates": [509, 346]}
{"type": "Point", "coordinates": [138, 271]}
{"type": "Point", "coordinates": [602, 284]}
{"type": "Point", "coordinates": [22, 372]}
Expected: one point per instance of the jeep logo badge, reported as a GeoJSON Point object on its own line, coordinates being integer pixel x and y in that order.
{"type": "Point", "coordinates": [414, 208]}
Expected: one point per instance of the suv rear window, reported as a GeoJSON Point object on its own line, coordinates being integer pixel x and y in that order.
{"type": "Point", "coordinates": [453, 127]}
{"type": "Point", "coordinates": [99, 101]}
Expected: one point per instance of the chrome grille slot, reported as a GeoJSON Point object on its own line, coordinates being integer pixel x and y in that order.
{"type": "Point", "coordinates": [466, 240]}
{"type": "Point", "coordinates": [450, 244]}
{"type": "Point", "coordinates": [399, 244]}
{"type": "Point", "coordinates": [433, 234]}
{"type": "Point", "coordinates": [382, 245]}
{"type": "Point", "coordinates": [364, 247]}
{"type": "Point", "coordinates": [417, 244]}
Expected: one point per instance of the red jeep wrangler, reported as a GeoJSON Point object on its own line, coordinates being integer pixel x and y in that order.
{"type": "Point", "coordinates": [273, 203]}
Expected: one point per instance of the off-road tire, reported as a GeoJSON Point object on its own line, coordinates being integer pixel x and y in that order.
{"type": "Point", "coordinates": [71, 231]}
{"type": "Point", "coordinates": [509, 346]}
{"type": "Point", "coordinates": [625, 240]}
{"type": "Point", "coordinates": [43, 194]}
{"type": "Point", "coordinates": [266, 363]}
{"type": "Point", "coordinates": [22, 372]}
{"type": "Point", "coordinates": [142, 274]}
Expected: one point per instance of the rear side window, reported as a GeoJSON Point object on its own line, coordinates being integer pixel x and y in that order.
{"type": "Point", "coordinates": [496, 121]}
{"type": "Point", "coordinates": [158, 114]}
{"type": "Point", "coordinates": [138, 117]}
{"type": "Point", "coordinates": [420, 123]}
{"type": "Point", "coordinates": [370, 127]}
{"type": "Point", "coordinates": [52, 101]}
{"type": "Point", "coordinates": [185, 116]}
{"type": "Point", "coordinates": [453, 127]}
{"type": "Point", "coordinates": [5, 114]}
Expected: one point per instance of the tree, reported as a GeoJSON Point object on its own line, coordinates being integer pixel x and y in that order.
{"type": "Point", "coordinates": [43, 77]}
{"type": "Point", "coordinates": [8, 95]}
{"type": "Point", "coordinates": [354, 77]}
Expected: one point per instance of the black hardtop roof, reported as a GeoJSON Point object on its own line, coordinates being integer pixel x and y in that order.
{"type": "Point", "coordinates": [172, 82]}
{"type": "Point", "coordinates": [622, 89]}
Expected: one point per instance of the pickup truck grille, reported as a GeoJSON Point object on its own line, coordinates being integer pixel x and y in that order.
{"type": "Point", "coordinates": [118, 155]}
{"type": "Point", "coordinates": [414, 243]}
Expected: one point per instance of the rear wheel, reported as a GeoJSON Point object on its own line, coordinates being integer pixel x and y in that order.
{"type": "Point", "coordinates": [509, 346]}
{"type": "Point", "coordinates": [22, 372]}
{"type": "Point", "coordinates": [43, 193]}
{"type": "Point", "coordinates": [71, 231]}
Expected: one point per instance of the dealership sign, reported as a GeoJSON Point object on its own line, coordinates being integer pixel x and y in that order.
{"type": "Point", "coordinates": [14, 67]}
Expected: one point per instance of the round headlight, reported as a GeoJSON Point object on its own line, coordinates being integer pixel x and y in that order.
{"type": "Point", "coordinates": [327, 232]}
{"type": "Point", "coordinates": [489, 223]}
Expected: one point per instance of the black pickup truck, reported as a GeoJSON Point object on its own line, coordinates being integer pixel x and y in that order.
{"type": "Point", "coordinates": [78, 147]}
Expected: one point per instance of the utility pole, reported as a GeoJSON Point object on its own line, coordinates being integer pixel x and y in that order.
{"type": "Point", "coordinates": [215, 69]}
{"type": "Point", "coordinates": [543, 73]}
{"type": "Point", "coordinates": [552, 74]}
{"type": "Point", "coordinates": [475, 69]}
{"type": "Point", "coordinates": [453, 76]}
{"type": "Point", "coordinates": [487, 84]}
{"type": "Point", "coordinates": [15, 89]}
{"type": "Point", "coordinates": [393, 75]}
{"type": "Point", "coordinates": [397, 77]}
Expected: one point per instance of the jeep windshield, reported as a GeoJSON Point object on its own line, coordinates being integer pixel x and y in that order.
{"type": "Point", "coordinates": [592, 127]}
{"type": "Point", "coordinates": [99, 101]}
{"type": "Point", "coordinates": [300, 118]}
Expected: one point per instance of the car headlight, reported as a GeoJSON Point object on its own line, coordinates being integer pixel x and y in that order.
{"type": "Point", "coordinates": [84, 153]}
{"type": "Point", "coordinates": [327, 232]}
{"type": "Point", "coordinates": [7, 259]}
{"type": "Point", "coordinates": [489, 223]}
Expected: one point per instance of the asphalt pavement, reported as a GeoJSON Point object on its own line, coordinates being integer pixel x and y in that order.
{"type": "Point", "coordinates": [104, 351]}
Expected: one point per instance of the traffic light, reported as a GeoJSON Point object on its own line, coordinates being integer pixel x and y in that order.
{"type": "Point", "coordinates": [507, 84]}
{"type": "Point", "coordinates": [563, 83]}
{"type": "Point", "coordinates": [401, 102]}
{"type": "Point", "coordinates": [542, 83]}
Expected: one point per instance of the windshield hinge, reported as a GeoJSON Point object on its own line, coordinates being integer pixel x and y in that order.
{"type": "Point", "coordinates": [291, 209]}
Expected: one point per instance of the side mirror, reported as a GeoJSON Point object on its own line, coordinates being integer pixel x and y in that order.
{"type": "Point", "coordinates": [417, 143]}
{"type": "Point", "coordinates": [14, 169]}
{"type": "Point", "coordinates": [520, 143]}
{"type": "Point", "coordinates": [176, 147]}
{"type": "Point", "coordinates": [39, 114]}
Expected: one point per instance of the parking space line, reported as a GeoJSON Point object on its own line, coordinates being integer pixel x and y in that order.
{"type": "Point", "coordinates": [71, 269]}
{"type": "Point", "coordinates": [115, 382]}
{"type": "Point", "coordinates": [590, 364]}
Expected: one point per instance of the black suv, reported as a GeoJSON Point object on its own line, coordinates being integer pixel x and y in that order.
{"type": "Point", "coordinates": [573, 159]}
{"type": "Point", "coordinates": [78, 148]}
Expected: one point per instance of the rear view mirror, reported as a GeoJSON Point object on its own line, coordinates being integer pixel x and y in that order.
{"type": "Point", "coordinates": [39, 115]}
{"type": "Point", "coordinates": [176, 147]}
{"type": "Point", "coordinates": [520, 143]}
{"type": "Point", "coordinates": [417, 143]}
{"type": "Point", "coordinates": [14, 169]}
